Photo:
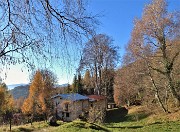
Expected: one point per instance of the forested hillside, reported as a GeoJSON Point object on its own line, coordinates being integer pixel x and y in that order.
{"type": "Point", "coordinates": [20, 91]}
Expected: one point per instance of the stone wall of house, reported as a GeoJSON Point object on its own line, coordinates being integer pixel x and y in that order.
{"type": "Point", "coordinates": [100, 104]}
{"type": "Point", "coordinates": [68, 110]}
{"type": "Point", "coordinates": [75, 108]}
{"type": "Point", "coordinates": [79, 107]}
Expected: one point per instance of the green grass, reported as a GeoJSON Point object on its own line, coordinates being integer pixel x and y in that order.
{"type": "Point", "coordinates": [173, 126]}
{"type": "Point", "coordinates": [26, 127]}
{"type": "Point", "coordinates": [139, 120]}
{"type": "Point", "coordinates": [77, 126]}
{"type": "Point", "coordinates": [136, 121]}
{"type": "Point", "coordinates": [80, 126]}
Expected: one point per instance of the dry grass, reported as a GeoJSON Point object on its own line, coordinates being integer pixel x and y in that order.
{"type": "Point", "coordinates": [138, 109]}
{"type": "Point", "coordinates": [155, 114]}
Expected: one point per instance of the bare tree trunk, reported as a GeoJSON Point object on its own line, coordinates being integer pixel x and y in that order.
{"type": "Point", "coordinates": [166, 99]}
{"type": "Point", "coordinates": [32, 116]}
{"type": "Point", "coordinates": [156, 89]}
{"type": "Point", "coordinates": [10, 123]}
{"type": "Point", "coordinates": [96, 77]}
{"type": "Point", "coordinates": [157, 94]}
{"type": "Point", "coordinates": [100, 79]}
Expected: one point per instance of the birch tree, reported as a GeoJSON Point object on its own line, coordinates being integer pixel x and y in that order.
{"type": "Point", "coordinates": [156, 32]}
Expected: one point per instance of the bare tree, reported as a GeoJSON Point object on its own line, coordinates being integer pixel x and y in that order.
{"type": "Point", "coordinates": [31, 31]}
{"type": "Point", "coordinates": [99, 55]}
{"type": "Point", "coordinates": [151, 38]}
{"type": "Point", "coordinates": [96, 114]}
{"type": "Point", "coordinates": [128, 85]}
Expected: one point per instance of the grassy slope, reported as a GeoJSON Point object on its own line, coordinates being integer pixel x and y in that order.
{"type": "Point", "coordinates": [63, 127]}
{"type": "Point", "coordinates": [138, 120]}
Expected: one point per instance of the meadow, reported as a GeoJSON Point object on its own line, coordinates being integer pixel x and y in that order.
{"type": "Point", "coordinates": [137, 120]}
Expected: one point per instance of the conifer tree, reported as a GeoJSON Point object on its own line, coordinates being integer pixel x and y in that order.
{"type": "Point", "coordinates": [79, 84]}
{"type": "Point", "coordinates": [74, 85]}
{"type": "Point", "coordinates": [6, 103]}
{"type": "Point", "coordinates": [40, 92]}
{"type": "Point", "coordinates": [32, 105]}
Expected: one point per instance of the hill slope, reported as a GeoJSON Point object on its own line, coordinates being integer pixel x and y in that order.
{"type": "Point", "coordinates": [20, 91]}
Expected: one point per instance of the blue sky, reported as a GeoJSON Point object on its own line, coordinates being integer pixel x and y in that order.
{"type": "Point", "coordinates": [116, 21]}
{"type": "Point", "coordinates": [119, 16]}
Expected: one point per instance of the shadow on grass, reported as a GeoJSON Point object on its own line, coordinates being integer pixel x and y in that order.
{"type": "Point", "coordinates": [97, 127]}
{"type": "Point", "coordinates": [129, 127]}
{"type": "Point", "coordinates": [116, 115]}
{"type": "Point", "coordinates": [25, 129]}
{"type": "Point", "coordinates": [121, 115]}
{"type": "Point", "coordinates": [155, 123]}
{"type": "Point", "coordinates": [54, 125]}
{"type": "Point", "coordinates": [85, 125]}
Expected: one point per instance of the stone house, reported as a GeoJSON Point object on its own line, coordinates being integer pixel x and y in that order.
{"type": "Point", "coordinates": [69, 107]}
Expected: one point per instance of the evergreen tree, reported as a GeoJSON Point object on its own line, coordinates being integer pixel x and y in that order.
{"type": "Point", "coordinates": [74, 85]}
{"type": "Point", "coordinates": [79, 84]}
{"type": "Point", "coordinates": [31, 104]}
{"type": "Point", "coordinates": [6, 103]}
{"type": "Point", "coordinates": [87, 79]}
{"type": "Point", "coordinates": [87, 82]}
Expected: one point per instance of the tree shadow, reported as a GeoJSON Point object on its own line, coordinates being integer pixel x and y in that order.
{"type": "Point", "coordinates": [121, 115]}
{"type": "Point", "coordinates": [116, 115]}
{"type": "Point", "coordinates": [155, 123]}
{"type": "Point", "coordinates": [97, 127]}
{"type": "Point", "coordinates": [126, 127]}
{"type": "Point", "coordinates": [22, 129]}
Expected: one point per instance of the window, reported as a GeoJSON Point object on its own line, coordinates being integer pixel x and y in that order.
{"type": "Point", "coordinates": [67, 114]}
{"type": "Point", "coordinates": [91, 104]}
{"type": "Point", "coordinates": [109, 106]}
{"type": "Point", "coordinates": [57, 103]}
{"type": "Point", "coordinates": [66, 107]}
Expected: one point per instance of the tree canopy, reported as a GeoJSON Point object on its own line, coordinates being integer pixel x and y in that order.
{"type": "Point", "coordinates": [154, 44]}
{"type": "Point", "coordinates": [33, 31]}
{"type": "Point", "coordinates": [99, 56]}
{"type": "Point", "coordinates": [40, 92]}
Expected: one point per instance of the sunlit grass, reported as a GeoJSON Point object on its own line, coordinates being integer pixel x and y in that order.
{"type": "Point", "coordinates": [136, 121]}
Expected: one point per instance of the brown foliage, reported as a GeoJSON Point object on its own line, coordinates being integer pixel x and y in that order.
{"type": "Point", "coordinates": [40, 92]}
{"type": "Point", "coordinates": [128, 83]}
{"type": "Point", "coordinates": [153, 38]}
{"type": "Point", "coordinates": [32, 104]}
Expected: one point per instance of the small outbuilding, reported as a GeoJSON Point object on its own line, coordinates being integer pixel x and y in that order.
{"type": "Point", "coordinates": [98, 101]}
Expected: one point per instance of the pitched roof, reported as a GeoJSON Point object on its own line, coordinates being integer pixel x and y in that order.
{"type": "Point", "coordinates": [72, 97]}
{"type": "Point", "coordinates": [96, 97]}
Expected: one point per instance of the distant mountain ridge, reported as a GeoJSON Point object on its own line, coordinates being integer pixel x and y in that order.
{"type": "Point", "coordinates": [62, 85]}
{"type": "Point", "coordinates": [12, 86]}
{"type": "Point", "coordinates": [22, 90]}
